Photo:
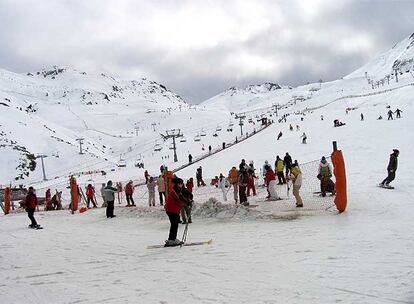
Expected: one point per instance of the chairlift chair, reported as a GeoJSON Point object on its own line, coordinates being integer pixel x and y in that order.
{"type": "Point", "coordinates": [203, 133]}
{"type": "Point", "coordinates": [197, 138]}
{"type": "Point", "coordinates": [157, 147]}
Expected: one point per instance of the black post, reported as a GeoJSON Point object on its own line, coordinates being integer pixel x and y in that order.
{"type": "Point", "coordinates": [335, 146]}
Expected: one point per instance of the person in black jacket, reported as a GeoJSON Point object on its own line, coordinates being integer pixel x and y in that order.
{"type": "Point", "coordinates": [288, 163]}
{"type": "Point", "coordinates": [392, 167]}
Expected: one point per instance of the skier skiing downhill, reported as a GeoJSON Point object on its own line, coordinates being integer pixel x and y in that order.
{"type": "Point", "coordinates": [304, 137]}
{"type": "Point", "coordinates": [173, 205]}
{"type": "Point", "coordinates": [391, 168]}
{"type": "Point", "coordinates": [279, 135]}
{"type": "Point", "coordinates": [398, 112]}
{"type": "Point", "coordinates": [31, 203]}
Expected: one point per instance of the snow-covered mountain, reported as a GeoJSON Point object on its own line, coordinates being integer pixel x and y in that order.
{"type": "Point", "coordinates": [400, 59]}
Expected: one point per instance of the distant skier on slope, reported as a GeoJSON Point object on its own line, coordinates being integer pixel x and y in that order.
{"type": "Point", "coordinates": [391, 168]}
{"type": "Point", "coordinates": [390, 112]}
{"type": "Point", "coordinates": [398, 112]}
{"type": "Point", "coordinates": [304, 138]}
{"type": "Point", "coordinates": [279, 135]}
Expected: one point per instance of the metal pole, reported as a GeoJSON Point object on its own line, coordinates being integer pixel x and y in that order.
{"type": "Point", "coordinates": [175, 151]}
{"type": "Point", "coordinates": [335, 146]}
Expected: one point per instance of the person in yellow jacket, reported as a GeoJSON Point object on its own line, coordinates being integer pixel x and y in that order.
{"type": "Point", "coordinates": [296, 177]}
{"type": "Point", "coordinates": [280, 165]}
{"type": "Point", "coordinates": [234, 181]}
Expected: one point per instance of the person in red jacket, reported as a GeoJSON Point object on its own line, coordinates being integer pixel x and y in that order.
{"type": "Point", "coordinates": [31, 203]}
{"type": "Point", "coordinates": [175, 201]}
{"type": "Point", "coordinates": [190, 185]}
{"type": "Point", "coordinates": [90, 196]}
{"type": "Point", "coordinates": [129, 190]}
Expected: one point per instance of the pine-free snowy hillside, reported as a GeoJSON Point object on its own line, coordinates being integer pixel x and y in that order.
{"type": "Point", "coordinates": [400, 58]}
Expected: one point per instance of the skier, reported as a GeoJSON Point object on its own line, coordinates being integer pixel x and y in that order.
{"type": "Point", "coordinates": [90, 194]}
{"type": "Point", "coordinates": [31, 203]}
{"type": "Point", "coordinates": [270, 180]}
{"type": "Point", "coordinates": [243, 165]}
{"type": "Point", "coordinates": [288, 163]}
{"type": "Point", "coordinates": [146, 175]}
{"type": "Point", "coordinates": [223, 145]}
{"type": "Point", "coordinates": [161, 189]}
{"type": "Point", "coordinates": [290, 127]}
{"type": "Point", "coordinates": [398, 112]}
{"type": "Point", "coordinates": [296, 177]}
{"type": "Point", "coordinates": [103, 194]}
{"type": "Point", "coordinates": [199, 177]}
{"type": "Point", "coordinates": [297, 128]}
{"type": "Point", "coordinates": [390, 112]}
{"type": "Point", "coordinates": [392, 167]}
{"type": "Point", "coordinates": [119, 190]}
{"type": "Point", "coordinates": [209, 149]}
{"type": "Point", "coordinates": [279, 135]}
{"type": "Point", "coordinates": [279, 165]}
{"type": "Point", "coordinates": [173, 205]}
{"type": "Point", "coordinates": [362, 117]}
{"type": "Point", "coordinates": [234, 179]}
{"type": "Point", "coordinates": [304, 137]}
{"type": "Point", "coordinates": [243, 179]}
{"type": "Point", "coordinates": [380, 117]}
{"type": "Point", "coordinates": [321, 117]}
{"type": "Point", "coordinates": [190, 184]}
{"type": "Point", "coordinates": [110, 199]}
{"type": "Point", "coordinates": [129, 191]}
{"type": "Point", "coordinates": [325, 174]}
{"type": "Point", "coordinates": [266, 163]}
{"type": "Point", "coordinates": [222, 186]}
{"type": "Point", "coordinates": [48, 201]}
{"type": "Point", "coordinates": [250, 180]}
{"type": "Point", "coordinates": [151, 191]}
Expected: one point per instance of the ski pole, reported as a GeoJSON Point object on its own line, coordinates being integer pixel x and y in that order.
{"type": "Point", "coordinates": [186, 225]}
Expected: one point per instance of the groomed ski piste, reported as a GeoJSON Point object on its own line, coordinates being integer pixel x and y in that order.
{"type": "Point", "coordinates": [272, 253]}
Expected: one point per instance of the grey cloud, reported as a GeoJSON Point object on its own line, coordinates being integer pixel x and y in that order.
{"type": "Point", "coordinates": [113, 36]}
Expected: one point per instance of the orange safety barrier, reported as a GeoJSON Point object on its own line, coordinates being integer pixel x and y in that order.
{"type": "Point", "coordinates": [74, 194]}
{"type": "Point", "coordinates": [7, 195]}
{"type": "Point", "coordinates": [340, 177]}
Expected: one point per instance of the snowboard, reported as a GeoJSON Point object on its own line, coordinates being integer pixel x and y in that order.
{"type": "Point", "coordinates": [384, 187]}
{"type": "Point", "coordinates": [38, 227]}
{"type": "Point", "coordinates": [181, 245]}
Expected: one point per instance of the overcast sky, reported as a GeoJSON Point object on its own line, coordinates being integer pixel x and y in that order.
{"type": "Point", "coordinates": [199, 48]}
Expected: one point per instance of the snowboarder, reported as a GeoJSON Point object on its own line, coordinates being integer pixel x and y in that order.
{"type": "Point", "coordinates": [392, 167]}
{"type": "Point", "coordinates": [398, 112]}
{"type": "Point", "coordinates": [296, 177]}
{"type": "Point", "coordinates": [243, 179]}
{"type": "Point", "coordinates": [279, 165]}
{"type": "Point", "coordinates": [110, 199]}
{"type": "Point", "coordinates": [279, 135]}
{"type": "Point", "coordinates": [324, 175]}
{"type": "Point", "coordinates": [129, 191]}
{"type": "Point", "coordinates": [288, 163]}
{"type": "Point", "coordinates": [103, 194]}
{"type": "Point", "coordinates": [390, 112]}
{"type": "Point", "coordinates": [90, 194]}
{"type": "Point", "coordinates": [151, 191]}
{"type": "Point", "coordinates": [146, 175]}
{"type": "Point", "coordinates": [270, 180]}
{"type": "Point", "coordinates": [31, 204]}
{"type": "Point", "coordinates": [199, 177]}
{"type": "Point", "coordinates": [173, 205]}
{"type": "Point", "coordinates": [222, 186]}
{"type": "Point", "coordinates": [304, 137]}
{"type": "Point", "coordinates": [234, 179]}
{"type": "Point", "coordinates": [362, 117]}
{"type": "Point", "coordinates": [161, 189]}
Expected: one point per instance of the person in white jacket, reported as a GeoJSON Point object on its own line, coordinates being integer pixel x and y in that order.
{"type": "Point", "coordinates": [296, 178]}
{"type": "Point", "coordinates": [222, 186]}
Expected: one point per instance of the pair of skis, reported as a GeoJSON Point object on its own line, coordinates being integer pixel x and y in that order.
{"type": "Point", "coordinates": [182, 245]}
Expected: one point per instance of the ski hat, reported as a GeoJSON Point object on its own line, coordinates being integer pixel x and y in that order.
{"type": "Point", "coordinates": [323, 160]}
{"type": "Point", "coordinates": [396, 151]}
